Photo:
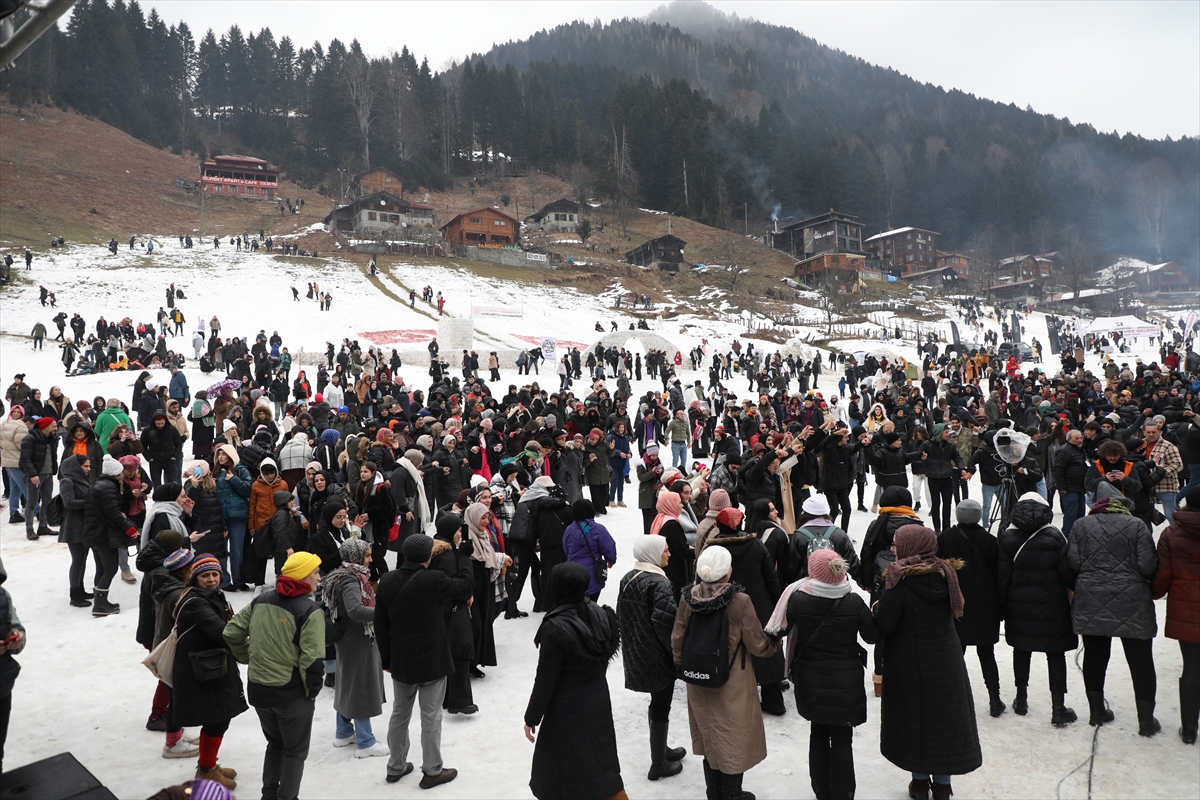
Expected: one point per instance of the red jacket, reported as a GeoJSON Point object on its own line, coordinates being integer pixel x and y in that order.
{"type": "Point", "coordinates": [1178, 576]}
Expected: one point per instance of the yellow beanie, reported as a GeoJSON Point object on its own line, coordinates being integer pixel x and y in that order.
{"type": "Point", "coordinates": [301, 565]}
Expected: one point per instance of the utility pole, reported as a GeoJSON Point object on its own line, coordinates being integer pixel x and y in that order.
{"type": "Point", "coordinates": [203, 191]}
{"type": "Point", "coordinates": [18, 161]}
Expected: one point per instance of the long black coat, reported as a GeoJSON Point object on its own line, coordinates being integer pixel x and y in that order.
{"type": "Point", "coordinates": [754, 571]}
{"type": "Point", "coordinates": [927, 714]}
{"type": "Point", "coordinates": [1034, 588]}
{"type": "Point", "coordinates": [646, 609]}
{"type": "Point", "coordinates": [828, 674]}
{"type": "Point", "coordinates": [455, 612]}
{"type": "Point", "coordinates": [979, 552]}
{"type": "Point", "coordinates": [201, 622]}
{"type": "Point", "coordinates": [149, 561]}
{"type": "Point", "coordinates": [410, 628]}
{"type": "Point", "coordinates": [575, 757]}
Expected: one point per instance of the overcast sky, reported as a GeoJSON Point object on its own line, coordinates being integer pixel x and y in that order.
{"type": "Point", "coordinates": [1124, 66]}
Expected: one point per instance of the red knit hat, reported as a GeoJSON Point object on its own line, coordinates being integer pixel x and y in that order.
{"type": "Point", "coordinates": [730, 517]}
{"type": "Point", "coordinates": [44, 422]}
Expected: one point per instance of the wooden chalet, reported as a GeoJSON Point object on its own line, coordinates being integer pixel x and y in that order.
{"type": "Point", "coordinates": [239, 176]}
{"type": "Point", "coordinates": [485, 227]}
{"type": "Point", "coordinates": [381, 215]}
{"type": "Point", "coordinates": [380, 179]}
{"type": "Point", "coordinates": [913, 250]}
{"type": "Point", "coordinates": [664, 252]}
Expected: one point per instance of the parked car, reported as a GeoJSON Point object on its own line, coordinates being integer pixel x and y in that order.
{"type": "Point", "coordinates": [1022, 351]}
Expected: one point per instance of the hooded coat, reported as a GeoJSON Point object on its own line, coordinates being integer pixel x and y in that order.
{"type": "Point", "coordinates": [74, 487]}
{"type": "Point", "coordinates": [1034, 587]}
{"type": "Point", "coordinates": [726, 722]}
{"type": "Point", "coordinates": [927, 714]}
{"type": "Point", "coordinates": [1114, 560]}
{"type": "Point", "coordinates": [575, 756]}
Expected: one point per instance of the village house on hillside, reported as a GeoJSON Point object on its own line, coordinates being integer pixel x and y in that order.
{"type": "Point", "coordinates": [381, 215]}
{"type": "Point", "coordinates": [1143, 278]}
{"type": "Point", "coordinates": [380, 179]}
{"type": "Point", "coordinates": [664, 252]}
{"type": "Point", "coordinates": [911, 250]}
{"type": "Point", "coordinates": [961, 264]}
{"type": "Point", "coordinates": [833, 232]}
{"type": "Point", "coordinates": [559, 215]}
{"type": "Point", "coordinates": [239, 176]}
{"type": "Point", "coordinates": [484, 227]}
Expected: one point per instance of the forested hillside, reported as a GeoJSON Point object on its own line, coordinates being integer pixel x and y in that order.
{"type": "Point", "coordinates": [725, 121]}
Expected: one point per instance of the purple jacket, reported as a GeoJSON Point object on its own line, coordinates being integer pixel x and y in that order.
{"type": "Point", "coordinates": [598, 544]}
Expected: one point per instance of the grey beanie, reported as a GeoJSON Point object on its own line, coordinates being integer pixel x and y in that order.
{"type": "Point", "coordinates": [1106, 491]}
{"type": "Point", "coordinates": [969, 512]}
{"type": "Point", "coordinates": [417, 547]}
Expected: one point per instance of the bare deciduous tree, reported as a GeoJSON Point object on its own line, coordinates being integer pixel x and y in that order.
{"type": "Point", "coordinates": [1151, 185]}
{"type": "Point", "coordinates": [362, 86]}
{"type": "Point", "coordinates": [401, 109]}
{"type": "Point", "coordinates": [1078, 260]}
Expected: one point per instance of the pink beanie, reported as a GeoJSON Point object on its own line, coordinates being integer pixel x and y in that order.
{"type": "Point", "coordinates": [718, 500]}
{"type": "Point", "coordinates": [822, 567]}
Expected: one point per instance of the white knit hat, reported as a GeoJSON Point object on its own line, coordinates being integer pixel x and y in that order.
{"type": "Point", "coordinates": [111, 467]}
{"type": "Point", "coordinates": [714, 564]}
{"type": "Point", "coordinates": [816, 504]}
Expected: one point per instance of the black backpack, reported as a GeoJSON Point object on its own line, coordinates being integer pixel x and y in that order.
{"type": "Point", "coordinates": [705, 659]}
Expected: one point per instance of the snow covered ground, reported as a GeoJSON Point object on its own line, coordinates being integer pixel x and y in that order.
{"type": "Point", "coordinates": [83, 688]}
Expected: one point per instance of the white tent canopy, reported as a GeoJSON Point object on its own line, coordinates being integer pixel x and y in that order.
{"type": "Point", "coordinates": [1126, 326]}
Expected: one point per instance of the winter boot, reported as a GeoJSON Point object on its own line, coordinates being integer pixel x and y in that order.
{"type": "Point", "coordinates": [1100, 713]}
{"type": "Point", "coordinates": [712, 782]}
{"type": "Point", "coordinates": [877, 680]}
{"type": "Point", "coordinates": [1021, 701]}
{"type": "Point", "coordinates": [86, 595]}
{"type": "Point", "coordinates": [156, 724]}
{"type": "Point", "coordinates": [77, 598]}
{"type": "Point", "coordinates": [941, 791]}
{"type": "Point", "coordinates": [1147, 724]}
{"type": "Point", "coordinates": [731, 788]}
{"type": "Point", "coordinates": [918, 790]}
{"type": "Point", "coordinates": [1189, 710]}
{"type": "Point", "coordinates": [1061, 716]}
{"type": "Point", "coordinates": [996, 705]}
{"type": "Point", "coordinates": [101, 607]}
{"type": "Point", "coordinates": [660, 767]}
{"type": "Point", "coordinates": [215, 774]}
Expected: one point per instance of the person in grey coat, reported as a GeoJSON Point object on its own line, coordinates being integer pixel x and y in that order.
{"type": "Point", "coordinates": [1112, 555]}
{"type": "Point", "coordinates": [358, 694]}
{"type": "Point", "coordinates": [74, 485]}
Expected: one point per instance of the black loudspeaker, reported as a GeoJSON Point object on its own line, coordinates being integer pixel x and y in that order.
{"type": "Point", "coordinates": [59, 777]}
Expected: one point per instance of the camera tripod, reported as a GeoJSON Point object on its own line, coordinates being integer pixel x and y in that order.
{"type": "Point", "coordinates": [1003, 502]}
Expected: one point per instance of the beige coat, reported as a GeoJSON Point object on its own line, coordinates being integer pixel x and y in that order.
{"type": "Point", "coordinates": [726, 722]}
{"type": "Point", "coordinates": [11, 434]}
{"type": "Point", "coordinates": [708, 523]}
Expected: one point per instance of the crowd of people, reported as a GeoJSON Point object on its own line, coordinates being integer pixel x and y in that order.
{"type": "Point", "coordinates": [741, 586]}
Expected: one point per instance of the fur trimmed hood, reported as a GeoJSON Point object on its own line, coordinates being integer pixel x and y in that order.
{"type": "Point", "coordinates": [712, 597]}
{"type": "Point", "coordinates": [586, 632]}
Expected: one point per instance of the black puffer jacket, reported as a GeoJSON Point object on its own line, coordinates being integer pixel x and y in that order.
{"type": "Point", "coordinates": [943, 460]}
{"type": "Point", "coordinates": [1070, 469]}
{"type": "Point", "coordinates": [160, 445]}
{"type": "Point", "coordinates": [798, 544]}
{"type": "Point", "coordinates": [1114, 559]}
{"type": "Point", "coordinates": [827, 673]}
{"type": "Point", "coordinates": [646, 609]}
{"type": "Point", "coordinates": [889, 464]}
{"type": "Point", "coordinates": [977, 549]}
{"type": "Point", "coordinates": [207, 519]}
{"type": "Point", "coordinates": [1033, 587]}
{"type": "Point", "coordinates": [103, 522]}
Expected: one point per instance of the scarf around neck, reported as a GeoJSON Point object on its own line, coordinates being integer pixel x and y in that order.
{"type": "Point", "coordinates": [778, 624]}
{"type": "Point", "coordinates": [331, 588]}
{"type": "Point", "coordinates": [1110, 505]}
